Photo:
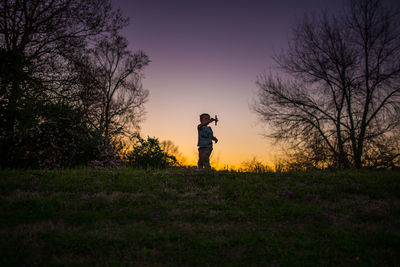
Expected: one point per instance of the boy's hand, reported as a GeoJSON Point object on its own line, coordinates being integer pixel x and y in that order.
{"type": "Point", "coordinates": [215, 140]}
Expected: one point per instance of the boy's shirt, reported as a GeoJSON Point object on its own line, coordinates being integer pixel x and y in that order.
{"type": "Point", "coordinates": [206, 136]}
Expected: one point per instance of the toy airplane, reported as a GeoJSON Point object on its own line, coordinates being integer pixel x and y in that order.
{"type": "Point", "coordinates": [216, 120]}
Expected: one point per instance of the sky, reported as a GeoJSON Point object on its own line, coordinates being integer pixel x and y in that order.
{"type": "Point", "coordinates": [205, 58]}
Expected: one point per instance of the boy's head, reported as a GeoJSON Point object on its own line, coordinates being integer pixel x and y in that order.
{"type": "Point", "coordinates": [204, 117]}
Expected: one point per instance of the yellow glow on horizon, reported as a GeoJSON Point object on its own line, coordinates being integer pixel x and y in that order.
{"type": "Point", "coordinates": [235, 146]}
{"type": "Point", "coordinates": [179, 95]}
{"type": "Point", "coordinates": [212, 71]}
{"type": "Point", "coordinates": [230, 162]}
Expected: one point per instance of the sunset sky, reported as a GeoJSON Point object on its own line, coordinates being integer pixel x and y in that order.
{"type": "Point", "coordinates": [205, 57]}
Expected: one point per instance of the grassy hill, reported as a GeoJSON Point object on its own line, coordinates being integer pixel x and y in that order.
{"type": "Point", "coordinates": [185, 217]}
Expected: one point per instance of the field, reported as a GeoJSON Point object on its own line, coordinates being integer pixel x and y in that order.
{"type": "Point", "coordinates": [183, 217]}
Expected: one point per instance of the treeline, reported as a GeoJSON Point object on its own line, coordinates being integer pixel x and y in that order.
{"type": "Point", "coordinates": [70, 89]}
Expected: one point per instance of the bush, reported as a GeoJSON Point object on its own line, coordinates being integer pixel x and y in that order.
{"type": "Point", "coordinates": [54, 137]}
{"type": "Point", "coordinates": [148, 154]}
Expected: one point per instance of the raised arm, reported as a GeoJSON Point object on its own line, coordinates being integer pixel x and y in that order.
{"type": "Point", "coordinates": [205, 122]}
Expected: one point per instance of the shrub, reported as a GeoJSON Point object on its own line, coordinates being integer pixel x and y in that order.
{"type": "Point", "coordinates": [148, 154]}
{"type": "Point", "coordinates": [54, 137]}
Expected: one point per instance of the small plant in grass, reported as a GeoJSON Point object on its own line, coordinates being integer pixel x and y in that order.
{"type": "Point", "coordinates": [254, 165]}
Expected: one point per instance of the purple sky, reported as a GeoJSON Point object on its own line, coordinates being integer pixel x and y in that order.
{"type": "Point", "coordinates": [206, 56]}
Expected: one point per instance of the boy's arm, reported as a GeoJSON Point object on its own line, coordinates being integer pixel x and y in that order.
{"type": "Point", "coordinates": [205, 123]}
{"type": "Point", "coordinates": [215, 139]}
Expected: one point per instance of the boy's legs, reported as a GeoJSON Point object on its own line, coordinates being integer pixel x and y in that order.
{"type": "Point", "coordinates": [204, 157]}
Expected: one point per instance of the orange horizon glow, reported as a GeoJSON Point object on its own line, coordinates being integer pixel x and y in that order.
{"type": "Point", "coordinates": [232, 149]}
{"type": "Point", "coordinates": [205, 58]}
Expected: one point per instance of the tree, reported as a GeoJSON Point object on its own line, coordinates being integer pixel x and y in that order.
{"type": "Point", "coordinates": [343, 89]}
{"type": "Point", "coordinates": [38, 36]}
{"type": "Point", "coordinates": [42, 116]}
{"type": "Point", "coordinates": [110, 86]}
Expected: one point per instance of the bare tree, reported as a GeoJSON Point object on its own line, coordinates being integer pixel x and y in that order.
{"type": "Point", "coordinates": [36, 39]}
{"type": "Point", "coordinates": [171, 149]}
{"type": "Point", "coordinates": [39, 43]}
{"type": "Point", "coordinates": [111, 86]}
{"type": "Point", "coordinates": [343, 89]}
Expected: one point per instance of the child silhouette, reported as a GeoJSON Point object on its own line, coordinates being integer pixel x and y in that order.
{"type": "Point", "coordinates": [205, 138]}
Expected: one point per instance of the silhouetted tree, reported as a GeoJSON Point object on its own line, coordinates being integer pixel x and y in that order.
{"type": "Point", "coordinates": [110, 86]}
{"type": "Point", "coordinates": [40, 95]}
{"type": "Point", "coordinates": [38, 36]}
{"type": "Point", "coordinates": [343, 86]}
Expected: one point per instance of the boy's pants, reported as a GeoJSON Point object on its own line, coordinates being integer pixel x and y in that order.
{"type": "Point", "coordinates": [204, 157]}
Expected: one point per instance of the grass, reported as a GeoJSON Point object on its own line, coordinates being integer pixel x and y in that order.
{"type": "Point", "coordinates": [184, 217]}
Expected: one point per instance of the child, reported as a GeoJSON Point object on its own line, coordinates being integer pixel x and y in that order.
{"type": "Point", "coordinates": [204, 143]}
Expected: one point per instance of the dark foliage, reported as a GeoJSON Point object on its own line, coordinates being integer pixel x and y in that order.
{"type": "Point", "coordinates": [51, 136]}
{"type": "Point", "coordinates": [148, 154]}
{"type": "Point", "coordinates": [50, 109]}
